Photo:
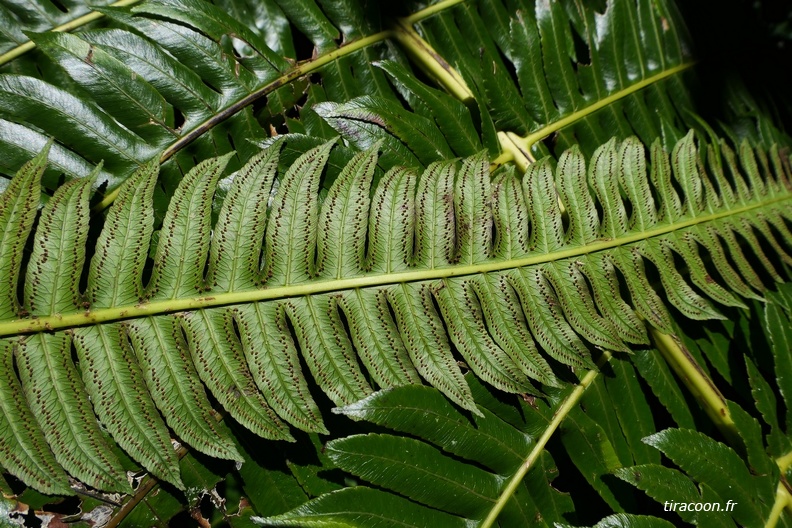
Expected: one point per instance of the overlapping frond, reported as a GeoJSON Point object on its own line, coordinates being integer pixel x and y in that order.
{"type": "Point", "coordinates": [376, 285]}
{"type": "Point", "coordinates": [535, 68]}
{"type": "Point", "coordinates": [170, 74]}
{"type": "Point", "coordinates": [18, 17]}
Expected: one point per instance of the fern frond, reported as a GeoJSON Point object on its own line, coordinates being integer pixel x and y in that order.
{"type": "Point", "coordinates": [423, 278]}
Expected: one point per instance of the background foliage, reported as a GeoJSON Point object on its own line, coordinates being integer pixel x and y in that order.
{"type": "Point", "coordinates": [182, 81]}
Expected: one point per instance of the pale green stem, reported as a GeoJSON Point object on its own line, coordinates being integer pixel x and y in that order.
{"type": "Point", "coordinates": [68, 26]}
{"type": "Point", "coordinates": [560, 414]}
{"type": "Point", "coordinates": [512, 151]}
{"type": "Point", "coordinates": [784, 462]}
{"type": "Point", "coordinates": [431, 10]}
{"type": "Point", "coordinates": [697, 381]}
{"type": "Point", "coordinates": [53, 322]}
{"type": "Point", "coordinates": [783, 500]}
{"type": "Point", "coordinates": [714, 405]}
{"type": "Point", "coordinates": [526, 143]}
{"type": "Point", "coordinates": [431, 61]}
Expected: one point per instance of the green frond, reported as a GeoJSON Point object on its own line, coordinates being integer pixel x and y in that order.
{"type": "Point", "coordinates": [395, 285]}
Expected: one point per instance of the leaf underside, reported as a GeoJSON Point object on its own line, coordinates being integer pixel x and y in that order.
{"type": "Point", "coordinates": [416, 276]}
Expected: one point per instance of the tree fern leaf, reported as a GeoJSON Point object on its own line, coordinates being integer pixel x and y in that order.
{"type": "Point", "coordinates": [698, 272]}
{"type": "Point", "coordinates": [746, 230]}
{"type": "Point", "coordinates": [112, 379]}
{"type": "Point", "coordinates": [392, 222]}
{"type": "Point", "coordinates": [546, 226]}
{"type": "Point", "coordinates": [427, 343]}
{"type": "Point", "coordinates": [434, 216]}
{"type": "Point", "coordinates": [310, 19]}
{"type": "Point", "coordinates": [716, 465]}
{"type": "Point", "coordinates": [575, 299]}
{"type": "Point", "coordinates": [403, 466]}
{"type": "Point", "coordinates": [506, 323]}
{"type": "Point", "coordinates": [215, 23]}
{"type": "Point", "coordinates": [556, 48]}
{"type": "Point", "coordinates": [753, 439]}
{"type": "Point", "coordinates": [525, 52]}
{"type": "Point", "coordinates": [116, 272]}
{"type": "Point", "coordinates": [188, 46]}
{"type": "Point", "coordinates": [775, 323]}
{"type": "Point", "coordinates": [420, 135]}
{"type": "Point", "coordinates": [219, 360]}
{"type": "Point", "coordinates": [632, 410]}
{"type": "Point", "coordinates": [133, 102]}
{"type": "Point", "coordinates": [57, 398]}
{"type": "Point", "coordinates": [184, 237]}
{"type": "Point", "coordinates": [291, 230]}
{"type": "Point", "coordinates": [510, 216]}
{"type": "Point", "coordinates": [601, 274]}
{"type": "Point", "coordinates": [362, 506]}
{"type": "Point", "coordinates": [400, 283]}
{"type": "Point", "coordinates": [741, 261]}
{"type": "Point", "coordinates": [644, 298]}
{"type": "Point", "coordinates": [473, 210]}
{"type": "Point", "coordinates": [18, 207]}
{"type": "Point", "coordinates": [762, 225]}
{"type": "Point", "coordinates": [679, 292]}
{"type": "Point", "coordinates": [341, 248]}
{"type": "Point", "coordinates": [44, 361]}
{"type": "Point", "coordinates": [24, 451]}
{"type": "Point", "coordinates": [175, 387]}
{"type": "Point", "coordinates": [714, 167]}
{"type": "Point", "coordinates": [741, 189]}
{"type": "Point", "coordinates": [683, 161]}
{"type": "Point", "coordinates": [234, 254]}
{"type": "Point", "coordinates": [491, 442]}
{"type": "Point", "coordinates": [573, 190]}
{"type": "Point", "coordinates": [779, 174]}
{"type": "Point", "coordinates": [662, 484]}
{"type": "Point", "coordinates": [275, 366]}
{"type": "Point", "coordinates": [451, 115]}
{"type": "Point", "coordinates": [546, 320]}
{"type": "Point", "coordinates": [376, 338]}
{"type": "Point", "coordinates": [91, 129]}
{"type": "Point", "coordinates": [20, 144]}
{"type": "Point", "coordinates": [178, 84]}
{"type": "Point", "coordinates": [751, 169]}
{"type": "Point", "coordinates": [53, 274]}
{"type": "Point", "coordinates": [670, 207]}
{"type": "Point", "coordinates": [114, 279]}
{"type": "Point", "coordinates": [37, 15]}
{"type": "Point", "coordinates": [464, 320]}
{"type": "Point", "coordinates": [604, 165]}
{"type": "Point", "coordinates": [708, 238]}
{"type": "Point", "coordinates": [633, 178]}
{"type": "Point", "coordinates": [327, 349]}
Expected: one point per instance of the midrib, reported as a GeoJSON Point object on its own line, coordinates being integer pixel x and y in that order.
{"type": "Point", "coordinates": [62, 321]}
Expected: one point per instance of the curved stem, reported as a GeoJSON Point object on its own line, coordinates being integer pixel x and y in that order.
{"type": "Point", "coordinates": [68, 26]}
{"type": "Point", "coordinates": [697, 381]}
{"type": "Point", "coordinates": [783, 500]}
{"type": "Point", "coordinates": [784, 462]}
{"type": "Point", "coordinates": [560, 414]}
{"type": "Point", "coordinates": [526, 143]}
{"type": "Point", "coordinates": [431, 10]}
{"type": "Point", "coordinates": [431, 61]}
